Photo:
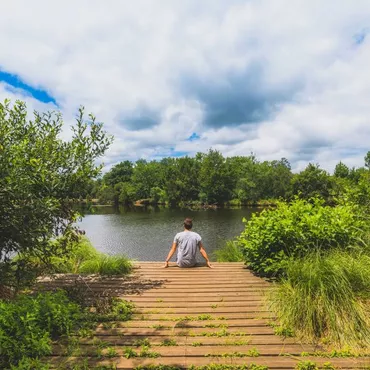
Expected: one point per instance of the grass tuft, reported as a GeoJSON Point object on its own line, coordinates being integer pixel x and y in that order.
{"type": "Point", "coordinates": [324, 297]}
{"type": "Point", "coordinates": [229, 252]}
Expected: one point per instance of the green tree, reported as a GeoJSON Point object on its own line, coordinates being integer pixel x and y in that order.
{"type": "Point", "coordinates": [367, 160]}
{"type": "Point", "coordinates": [145, 177]}
{"type": "Point", "coordinates": [121, 172]}
{"type": "Point", "coordinates": [341, 171]}
{"type": "Point", "coordinates": [313, 182]}
{"type": "Point", "coordinates": [214, 178]}
{"type": "Point", "coordinates": [39, 175]}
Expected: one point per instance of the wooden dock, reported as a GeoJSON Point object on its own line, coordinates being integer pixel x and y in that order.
{"type": "Point", "coordinates": [198, 316]}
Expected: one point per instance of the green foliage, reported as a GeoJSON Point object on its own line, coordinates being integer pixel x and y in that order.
{"type": "Point", "coordinates": [251, 366]}
{"type": "Point", "coordinates": [313, 182]}
{"type": "Point", "coordinates": [274, 236]}
{"type": "Point", "coordinates": [320, 298]}
{"type": "Point", "coordinates": [106, 265]}
{"type": "Point", "coordinates": [328, 366]}
{"type": "Point", "coordinates": [367, 160]}
{"type": "Point", "coordinates": [214, 178]}
{"type": "Point", "coordinates": [283, 331]}
{"type": "Point", "coordinates": [82, 257]}
{"type": "Point", "coordinates": [306, 365]}
{"type": "Point", "coordinates": [40, 173]}
{"type": "Point", "coordinates": [146, 352]}
{"type": "Point", "coordinates": [27, 363]}
{"type": "Point", "coordinates": [142, 342]}
{"type": "Point", "coordinates": [341, 170]}
{"type": "Point", "coordinates": [120, 173]}
{"type": "Point", "coordinates": [168, 342]}
{"type": "Point", "coordinates": [129, 352]}
{"type": "Point", "coordinates": [207, 178]}
{"type": "Point", "coordinates": [157, 367]}
{"type": "Point", "coordinates": [28, 324]}
{"type": "Point", "coordinates": [230, 252]}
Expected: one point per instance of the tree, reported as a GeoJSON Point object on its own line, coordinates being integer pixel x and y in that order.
{"type": "Point", "coordinates": [39, 176]}
{"type": "Point", "coordinates": [145, 177]}
{"type": "Point", "coordinates": [367, 160]}
{"type": "Point", "coordinates": [313, 182]}
{"type": "Point", "coordinates": [214, 178]}
{"type": "Point", "coordinates": [341, 170]}
{"type": "Point", "coordinates": [121, 172]}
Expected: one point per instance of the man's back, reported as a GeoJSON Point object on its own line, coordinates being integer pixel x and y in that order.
{"type": "Point", "coordinates": [188, 243]}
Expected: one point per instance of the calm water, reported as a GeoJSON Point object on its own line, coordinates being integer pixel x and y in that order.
{"type": "Point", "coordinates": [147, 234]}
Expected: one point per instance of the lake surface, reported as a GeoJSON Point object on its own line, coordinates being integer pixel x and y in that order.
{"type": "Point", "coordinates": [146, 234]}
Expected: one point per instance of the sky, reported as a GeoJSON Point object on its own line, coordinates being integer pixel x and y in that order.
{"type": "Point", "coordinates": [275, 78]}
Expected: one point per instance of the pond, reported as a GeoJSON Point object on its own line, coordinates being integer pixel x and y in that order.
{"type": "Point", "coordinates": [146, 234]}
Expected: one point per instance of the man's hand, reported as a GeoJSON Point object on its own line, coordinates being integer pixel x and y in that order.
{"type": "Point", "coordinates": [165, 265]}
{"type": "Point", "coordinates": [209, 265]}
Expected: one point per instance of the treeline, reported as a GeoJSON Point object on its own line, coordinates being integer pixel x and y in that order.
{"type": "Point", "coordinates": [210, 178]}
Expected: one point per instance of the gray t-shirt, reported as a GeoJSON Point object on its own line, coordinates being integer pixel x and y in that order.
{"type": "Point", "coordinates": [187, 245]}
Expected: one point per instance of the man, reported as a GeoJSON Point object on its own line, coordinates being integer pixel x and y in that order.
{"type": "Point", "coordinates": [188, 243]}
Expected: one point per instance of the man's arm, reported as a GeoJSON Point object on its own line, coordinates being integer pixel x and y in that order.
{"type": "Point", "coordinates": [170, 253]}
{"type": "Point", "coordinates": [204, 254]}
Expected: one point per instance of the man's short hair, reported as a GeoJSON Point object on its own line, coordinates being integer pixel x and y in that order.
{"type": "Point", "coordinates": [188, 223]}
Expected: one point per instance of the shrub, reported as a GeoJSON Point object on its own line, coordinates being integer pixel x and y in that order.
{"type": "Point", "coordinates": [274, 236]}
{"type": "Point", "coordinates": [27, 363]}
{"type": "Point", "coordinates": [319, 298]}
{"type": "Point", "coordinates": [28, 324]}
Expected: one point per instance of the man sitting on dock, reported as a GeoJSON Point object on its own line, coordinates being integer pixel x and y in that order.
{"type": "Point", "coordinates": [188, 243]}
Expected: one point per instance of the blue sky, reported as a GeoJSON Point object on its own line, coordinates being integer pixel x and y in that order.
{"type": "Point", "coordinates": [273, 77]}
{"type": "Point", "coordinates": [37, 93]}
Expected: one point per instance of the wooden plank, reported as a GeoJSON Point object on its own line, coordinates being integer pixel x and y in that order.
{"type": "Point", "coordinates": [193, 332]}
{"type": "Point", "coordinates": [200, 305]}
{"type": "Point", "coordinates": [191, 299]}
{"type": "Point", "coordinates": [198, 351]}
{"type": "Point", "coordinates": [209, 295]}
{"type": "Point", "coordinates": [226, 315]}
{"type": "Point", "coordinates": [200, 310]}
{"type": "Point", "coordinates": [128, 340]}
{"type": "Point", "coordinates": [192, 323]}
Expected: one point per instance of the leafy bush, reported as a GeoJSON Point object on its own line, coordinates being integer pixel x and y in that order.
{"type": "Point", "coordinates": [27, 363]}
{"type": "Point", "coordinates": [230, 252]}
{"type": "Point", "coordinates": [319, 298]}
{"type": "Point", "coordinates": [28, 324]}
{"type": "Point", "coordinates": [293, 230]}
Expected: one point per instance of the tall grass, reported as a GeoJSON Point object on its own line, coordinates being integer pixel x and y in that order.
{"type": "Point", "coordinates": [106, 265]}
{"type": "Point", "coordinates": [82, 257]}
{"type": "Point", "coordinates": [326, 296]}
{"type": "Point", "coordinates": [229, 252]}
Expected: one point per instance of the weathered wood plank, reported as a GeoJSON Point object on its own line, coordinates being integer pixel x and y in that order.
{"type": "Point", "coordinates": [168, 306]}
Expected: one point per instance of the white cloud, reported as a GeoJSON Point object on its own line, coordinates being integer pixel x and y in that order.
{"type": "Point", "coordinates": [115, 57]}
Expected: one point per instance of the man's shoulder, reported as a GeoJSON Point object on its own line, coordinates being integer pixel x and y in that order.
{"type": "Point", "coordinates": [191, 234]}
{"type": "Point", "coordinates": [196, 235]}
